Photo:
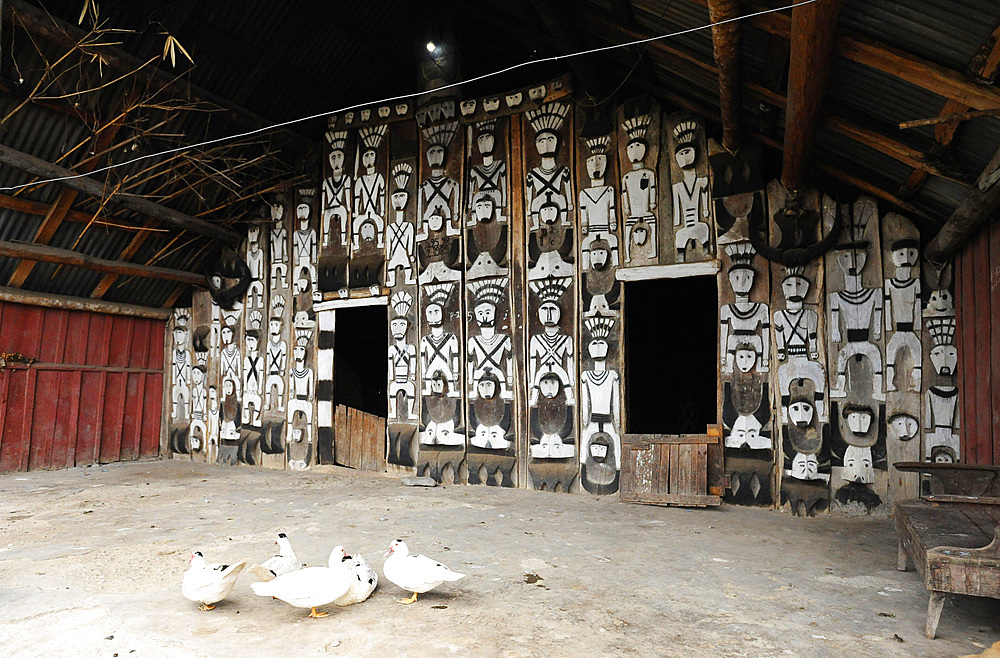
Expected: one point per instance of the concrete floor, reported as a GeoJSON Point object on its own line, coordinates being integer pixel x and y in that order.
{"type": "Point", "coordinates": [91, 561]}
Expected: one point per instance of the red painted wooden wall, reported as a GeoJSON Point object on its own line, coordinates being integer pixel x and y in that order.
{"type": "Point", "coordinates": [977, 311]}
{"type": "Point", "coordinates": [94, 393]}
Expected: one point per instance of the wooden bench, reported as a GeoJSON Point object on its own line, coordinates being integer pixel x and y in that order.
{"type": "Point", "coordinates": [952, 538]}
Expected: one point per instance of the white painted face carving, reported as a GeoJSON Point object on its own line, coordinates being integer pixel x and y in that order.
{"type": "Point", "coordinates": [598, 348]}
{"type": "Point", "coordinates": [336, 160]}
{"type": "Point", "coordinates": [941, 301]}
{"type": "Point", "coordinates": [546, 142]}
{"type": "Point", "coordinates": [399, 199]}
{"type": "Point", "coordinates": [251, 343]}
{"type": "Point", "coordinates": [549, 314]}
{"type": "Point", "coordinates": [859, 422]}
{"type": "Point", "coordinates": [904, 426]}
{"type": "Point", "coordinates": [549, 386]}
{"type": "Point", "coordinates": [434, 314]}
{"type": "Point", "coordinates": [639, 235]}
{"type": "Point", "coordinates": [597, 164]}
{"type": "Point", "coordinates": [253, 234]}
{"type": "Point", "coordinates": [487, 389]}
{"type": "Point", "coordinates": [368, 158]}
{"type": "Point", "coordinates": [944, 358]}
{"type": "Point", "coordinates": [198, 375]}
{"type": "Point", "coordinates": [484, 208]}
{"type": "Point", "coordinates": [468, 107]}
{"type": "Point", "coordinates": [942, 455]}
{"type": "Point", "coordinates": [599, 451]}
{"type": "Point", "coordinates": [858, 465]}
{"type": "Point", "coordinates": [365, 115]}
{"type": "Point", "coordinates": [397, 327]}
{"type": "Point", "coordinates": [435, 222]}
{"type": "Point", "coordinates": [636, 151]}
{"type": "Point", "coordinates": [549, 213]}
{"type": "Point", "coordinates": [435, 155]}
{"type": "Point", "coordinates": [746, 429]}
{"type": "Point", "coordinates": [904, 257]}
{"type": "Point", "coordinates": [805, 467]}
{"type": "Point", "coordinates": [213, 397]}
{"type": "Point", "coordinates": [513, 100]}
{"type": "Point", "coordinates": [800, 413]}
{"type": "Point", "coordinates": [741, 279]}
{"type": "Point", "coordinates": [227, 335]}
{"type": "Point", "coordinates": [296, 435]}
{"type": "Point", "coordinates": [438, 383]}
{"type": "Point", "coordinates": [536, 93]}
{"type": "Point", "coordinates": [795, 288]}
{"type": "Point", "coordinates": [491, 104]}
{"type": "Point", "coordinates": [299, 352]}
{"type": "Point", "coordinates": [486, 142]}
{"type": "Point", "coordinates": [745, 359]}
{"type": "Point", "coordinates": [598, 258]}
{"type": "Point", "coordinates": [302, 212]}
{"type": "Point", "coordinates": [368, 231]}
{"type": "Point", "coordinates": [228, 387]}
{"type": "Point", "coordinates": [685, 157]}
{"type": "Point", "coordinates": [277, 211]}
{"type": "Point", "coordinates": [852, 261]}
{"type": "Point", "coordinates": [180, 337]}
{"type": "Point", "coordinates": [401, 109]}
{"type": "Point", "coordinates": [485, 315]}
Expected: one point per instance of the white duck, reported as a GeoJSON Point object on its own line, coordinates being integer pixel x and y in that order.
{"type": "Point", "coordinates": [209, 583]}
{"type": "Point", "coordinates": [312, 586]}
{"type": "Point", "coordinates": [280, 564]}
{"type": "Point", "coordinates": [364, 582]}
{"type": "Point", "coordinates": [414, 573]}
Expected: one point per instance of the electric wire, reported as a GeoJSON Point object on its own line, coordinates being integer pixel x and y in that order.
{"type": "Point", "coordinates": [401, 97]}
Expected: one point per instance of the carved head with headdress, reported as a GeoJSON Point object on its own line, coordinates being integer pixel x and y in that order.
{"type": "Point", "coordinates": [401, 303]}
{"type": "Point", "coordinates": [636, 129]}
{"type": "Point", "coordinates": [401, 173]}
{"type": "Point", "coordinates": [488, 293]}
{"type": "Point", "coordinates": [546, 122]}
{"type": "Point", "coordinates": [944, 354]}
{"type": "Point", "coordinates": [685, 138]}
{"type": "Point", "coordinates": [549, 292]}
{"type": "Point", "coordinates": [741, 270]}
{"type": "Point", "coordinates": [439, 137]}
{"type": "Point", "coordinates": [597, 161]}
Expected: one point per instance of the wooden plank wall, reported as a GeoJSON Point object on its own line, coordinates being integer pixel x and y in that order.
{"type": "Point", "coordinates": [977, 306]}
{"type": "Point", "coordinates": [93, 393]}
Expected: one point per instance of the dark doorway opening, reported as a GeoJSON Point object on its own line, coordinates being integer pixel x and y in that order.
{"type": "Point", "coordinates": [359, 359]}
{"type": "Point", "coordinates": [671, 355]}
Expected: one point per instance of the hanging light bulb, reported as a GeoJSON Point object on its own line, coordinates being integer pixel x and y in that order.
{"type": "Point", "coordinates": [431, 47]}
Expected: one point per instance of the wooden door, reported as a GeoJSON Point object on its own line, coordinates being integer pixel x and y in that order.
{"type": "Point", "coordinates": [673, 469]}
{"type": "Point", "coordinates": [359, 439]}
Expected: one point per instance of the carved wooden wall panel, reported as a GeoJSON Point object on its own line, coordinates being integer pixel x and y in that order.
{"type": "Point", "coordinates": [601, 331]}
{"type": "Point", "coordinates": [638, 147]}
{"type": "Point", "coordinates": [688, 236]}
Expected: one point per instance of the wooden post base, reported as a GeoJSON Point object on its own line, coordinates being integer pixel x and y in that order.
{"type": "Point", "coordinates": [934, 607]}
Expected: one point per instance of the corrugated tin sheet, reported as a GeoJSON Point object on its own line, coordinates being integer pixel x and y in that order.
{"type": "Point", "coordinates": [94, 394]}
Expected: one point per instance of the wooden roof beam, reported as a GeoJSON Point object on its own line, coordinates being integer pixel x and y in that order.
{"type": "Point", "coordinates": [46, 254]}
{"type": "Point", "coordinates": [812, 38]}
{"type": "Point", "coordinates": [41, 209]}
{"type": "Point", "coordinates": [558, 19]}
{"type": "Point", "coordinates": [980, 205]}
{"type": "Point", "coordinates": [727, 47]}
{"type": "Point", "coordinates": [104, 285]}
{"type": "Point", "coordinates": [38, 167]}
{"type": "Point", "coordinates": [893, 61]}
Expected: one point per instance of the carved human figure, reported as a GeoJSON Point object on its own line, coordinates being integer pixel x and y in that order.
{"type": "Point", "coordinates": [277, 358]}
{"type": "Point", "coordinates": [746, 409]}
{"type": "Point", "coordinates": [215, 331]}
{"type": "Point", "coordinates": [213, 420]}
{"type": "Point", "coordinates": [489, 416]}
{"type": "Point", "coordinates": [548, 187]}
{"type": "Point", "coordinates": [255, 263]}
{"type": "Point", "coordinates": [598, 221]}
{"type": "Point", "coordinates": [439, 407]}
{"type": "Point", "coordinates": [440, 349]}
{"type": "Point", "coordinates": [859, 310]}
{"type": "Point", "coordinates": [199, 397]}
{"type": "Point", "coordinates": [369, 193]}
{"type": "Point", "coordinates": [803, 437]}
{"type": "Point", "coordinates": [487, 196]}
{"type": "Point", "coordinates": [438, 198]}
{"type": "Point", "coordinates": [599, 392]}
{"type": "Point", "coordinates": [550, 443]}
{"type": "Point", "coordinates": [304, 250]}
{"type": "Point", "coordinates": [336, 192]}
{"type": "Point", "coordinates": [941, 420]}
{"type": "Point", "coordinates": [253, 374]}
{"type": "Point", "coordinates": [401, 235]}
{"type": "Point", "coordinates": [229, 420]}
{"type": "Point", "coordinates": [402, 357]}
{"type": "Point", "coordinates": [232, 360]}
{"type": "Point", "coordinates": [858, 465]}
{"type": "Point", "coordinates": [550, 353]}
{"type": "Point", "coordinates": [639, 192]}
{"type": "Point", "coordinates": [301, 379]}
{"type": "Point", "coordinates": [181, 388]}
{"type": "Point", "coordinates": [690, 195]}
{"type": "Point", "coordinates": [489, 352]}
{"type": "Point", "coordinates": [796, 343]}
{"type": "Point", "coordinates": [279, 246]}
{"type": "Point", "coordinates": [743, 321]}
{"type": "Point", "coordinates": [902, 313]}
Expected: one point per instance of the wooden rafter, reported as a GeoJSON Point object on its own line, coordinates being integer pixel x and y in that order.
{"type": "Point", "coordinates": [38, 208]}
{"type": "Point", "coordinates": [558, 19]}
{"type": "Point", "coordinates": [812, 38]}
{"type": "Point", "coordinates": [727, 46]}
{"type": "Point", "coordinates": [38, 167]}
{"type": "Point", "coordinates": [983, 66]}
{"type": "Point", "coordinates": [46, 254]}
{"type": "Point", "coordinates": [686, 64]}
{"type": "Point", "coordinates": [979, 206]}
{"type": "Point", "coordinates": [64, 201]}
{"type": "Point", "coordinates": [104, 285]}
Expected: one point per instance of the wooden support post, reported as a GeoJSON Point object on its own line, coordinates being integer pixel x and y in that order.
{"type": "Point", "coordinates": [48, 300]}
{"type": "Point", "coordinates": [38, 167]}
{"type": "Point", "coordinates": [46, 254]}
{"type": "Point", "coordinates": [727, 43]}
{"type": "Point", "coordinates": [812, 39]}
{"type": "Point", "coordinates": [983, 200]}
